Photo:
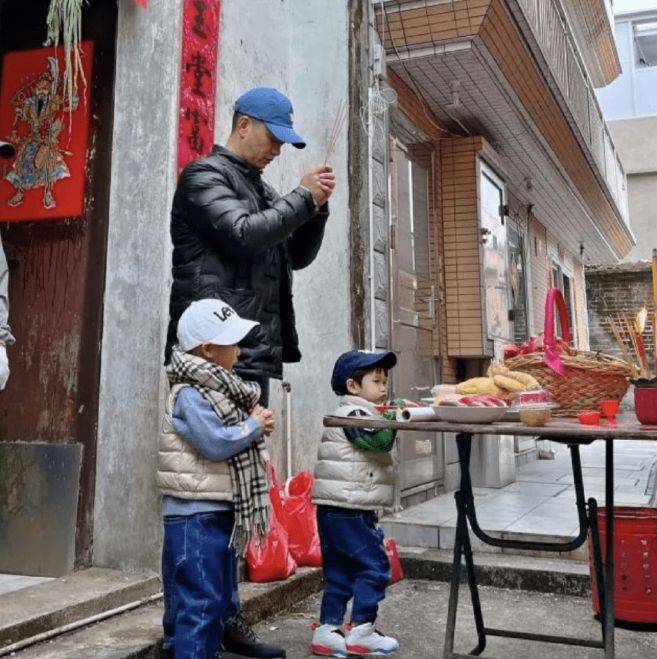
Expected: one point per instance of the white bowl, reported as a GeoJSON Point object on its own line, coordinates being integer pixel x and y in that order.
{"type": "Point", "coordinates": [469, 414]}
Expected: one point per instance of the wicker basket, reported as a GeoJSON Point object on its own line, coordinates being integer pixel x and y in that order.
{"type": "Point", "coordinates": [589, 377]}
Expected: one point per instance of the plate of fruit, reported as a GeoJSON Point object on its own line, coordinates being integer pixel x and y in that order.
{"type": "Point", "coordinates": [483, 408]}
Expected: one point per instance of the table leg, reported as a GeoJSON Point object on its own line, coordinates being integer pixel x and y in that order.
{"type": "Point", "coordinates": [608, 612]}
{"type": "Point", "coordinates": [474, 595]}
{"type": "Point", "coordinates": [462, 547]}
{"type": "Point", "coordinates": [461, 528]}
{"type": "Point", "coordinates": [597, 560]}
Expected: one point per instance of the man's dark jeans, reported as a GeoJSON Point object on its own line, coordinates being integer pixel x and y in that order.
{"type": "Point", "coordinates": [355, 564]}
{"type": "Point", "coordinates": [199, 574]}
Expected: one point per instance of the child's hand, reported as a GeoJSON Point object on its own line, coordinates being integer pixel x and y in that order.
{"type": "Point", "coordinates": [265, 418]}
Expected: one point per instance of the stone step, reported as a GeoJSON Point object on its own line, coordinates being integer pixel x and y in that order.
{"type": "Point", "coordinates": [529, 573]}
{"type": "Point", "coordinates": [441, 536]}
{"type": "Point", "coordinates": [37, 609]}
{"type": "Point", "coordinates": [138, 633]}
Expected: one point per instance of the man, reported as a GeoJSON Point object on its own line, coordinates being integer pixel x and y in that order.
{"type": "Point", "coordinates": [234, 238]}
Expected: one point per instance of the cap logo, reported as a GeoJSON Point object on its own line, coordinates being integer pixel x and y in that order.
{"type": "Point", "coordinates": [226, 312]}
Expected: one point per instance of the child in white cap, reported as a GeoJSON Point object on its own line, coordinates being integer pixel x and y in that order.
{"type": "Point", "coordinates": [213, 479]}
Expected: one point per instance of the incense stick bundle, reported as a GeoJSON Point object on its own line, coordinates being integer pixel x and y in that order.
{"type": "Point", "coordinates": [618, 335]}
{"type": "Point", "coordinates": [639, 329]}
{"type": "Point", "coordinates": [636, 340]}
{"type": "Point", "coordinates": [338, 123]}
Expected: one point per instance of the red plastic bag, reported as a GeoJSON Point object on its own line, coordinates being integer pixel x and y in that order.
{"type": "Point", "coordinates": [301, 520]}
{"type": "Point", "coordinates": [396, 571]}
{"type": "Point", "coordinates": [271, 560]}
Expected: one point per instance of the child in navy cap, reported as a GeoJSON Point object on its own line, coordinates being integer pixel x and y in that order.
{"type": "Point", "coordinates": [354, 478]}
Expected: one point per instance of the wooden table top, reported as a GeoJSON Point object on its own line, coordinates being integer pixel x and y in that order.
{"type": "Point", "coordinates": [626, 427]}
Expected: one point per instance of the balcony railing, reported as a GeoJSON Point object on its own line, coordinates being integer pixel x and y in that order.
{"type": "Point", "coordinates": [557, 45]}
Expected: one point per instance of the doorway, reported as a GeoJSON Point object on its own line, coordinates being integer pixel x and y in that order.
{"type": "Point", "coordinates": [48, 411]}
{"type": "Point", "coordinates": [412, 315]}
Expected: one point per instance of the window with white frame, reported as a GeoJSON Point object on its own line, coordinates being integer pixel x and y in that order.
{"type": "Point", "coordinates": [645, 42]}
{"type": "Point", "coordinates": [492, 208]}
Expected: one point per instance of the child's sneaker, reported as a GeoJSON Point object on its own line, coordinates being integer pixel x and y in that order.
{"type": "Point", "coordinates": [364, 640]}
{"type": "Point", "coordinates": [328, 641]}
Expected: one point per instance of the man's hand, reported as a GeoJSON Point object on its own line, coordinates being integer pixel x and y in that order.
{"type": "Point", "coordinates": [320, 181]}
{"type": "Point", "coordinates": [4, 367]}
{"type": "Point", "coordinates": [265, 418]}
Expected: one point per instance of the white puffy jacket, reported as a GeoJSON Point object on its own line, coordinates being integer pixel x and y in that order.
{"type": "Point", "coordinates": [182, 471]}
{"type": "Point", "coordinates": [347, 477]}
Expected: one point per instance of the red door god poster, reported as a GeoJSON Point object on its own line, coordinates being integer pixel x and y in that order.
{"type": "Point", "coordinates": [46, 177]}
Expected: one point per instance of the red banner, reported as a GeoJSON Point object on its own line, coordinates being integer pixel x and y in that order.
{"type": "Point", "coordinates": [46, 177]}
{"type": "Point", "coordinates": [198, 79]}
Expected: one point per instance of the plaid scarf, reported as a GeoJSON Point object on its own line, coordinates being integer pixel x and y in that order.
{"type": "Point", "coordinates": [232, 399]}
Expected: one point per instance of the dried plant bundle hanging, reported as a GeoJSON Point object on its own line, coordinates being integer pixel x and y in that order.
{"type": "Point", "coordinates": [64, 24]}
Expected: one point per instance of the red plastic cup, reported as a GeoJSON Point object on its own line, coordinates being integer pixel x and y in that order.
{"type": "Point", "coordinates": [589, 418]}
{"type": "Point", "coordinates": [610, 409]}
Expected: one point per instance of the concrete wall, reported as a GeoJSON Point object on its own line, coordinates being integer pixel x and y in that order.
{"type": "Point", "coordinates": [126, 519]}
{"type": "Point", "coordinates": [643, 201]}
{"type": "Point", "coordinates": [636, 141]}
{"type": "Point", "coordinates": [308, 60]}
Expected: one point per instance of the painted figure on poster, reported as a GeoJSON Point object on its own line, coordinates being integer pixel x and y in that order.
{"type": "Point", "coordinates": [39, 163]}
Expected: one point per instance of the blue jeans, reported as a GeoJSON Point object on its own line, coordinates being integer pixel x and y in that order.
{"type": "Point", "coordinates": [355, 564]}
{"type": "Point", "coordinates": [199, 577]}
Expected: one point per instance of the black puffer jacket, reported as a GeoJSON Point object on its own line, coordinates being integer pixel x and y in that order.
{"type": "Point", "coordinates": [236, 239]}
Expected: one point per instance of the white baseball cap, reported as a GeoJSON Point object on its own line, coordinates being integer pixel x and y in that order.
{"type": "Point", "coordinates": [211, 321]}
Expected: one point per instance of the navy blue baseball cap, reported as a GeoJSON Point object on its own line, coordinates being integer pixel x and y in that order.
{"type": "Point", "coordinates": [274, 109]}
{"type": "Point", "coordinates": [355, 360]}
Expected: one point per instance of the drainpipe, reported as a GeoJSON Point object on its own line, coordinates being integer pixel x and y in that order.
{"type": "Point", "coordinates": [370, 194]}
{"type": "Point", "coordinates": [287, 388]}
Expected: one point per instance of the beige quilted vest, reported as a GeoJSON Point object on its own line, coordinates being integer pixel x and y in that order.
{"type": "Point", "coordinates": [348, 477]}
{"type": "Point", "coordinates": [182, 471]}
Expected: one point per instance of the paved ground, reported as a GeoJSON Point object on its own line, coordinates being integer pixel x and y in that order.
{"type": "Point", "coordinates": [541, 501]}
{"type": "Point", "coordinates": [415, 613]}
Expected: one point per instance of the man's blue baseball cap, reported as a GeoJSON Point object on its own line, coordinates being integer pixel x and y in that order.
{"type": "Point", "coordinates": [356, 360]}
{"type": "Point", "coordinates": [274, 109]}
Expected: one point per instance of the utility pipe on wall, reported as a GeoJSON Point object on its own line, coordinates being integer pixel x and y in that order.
{"type": "Point", "coordinates": [287, 388]}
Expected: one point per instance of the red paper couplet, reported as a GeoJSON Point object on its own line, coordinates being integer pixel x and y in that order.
{"type": "Point", "coordinates": [198, 74]}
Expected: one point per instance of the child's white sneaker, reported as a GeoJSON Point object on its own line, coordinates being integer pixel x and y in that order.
{"type": "Point", "coordinates": [329, 641]}
{"type": "Point", "coordinates": [364, 640]}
